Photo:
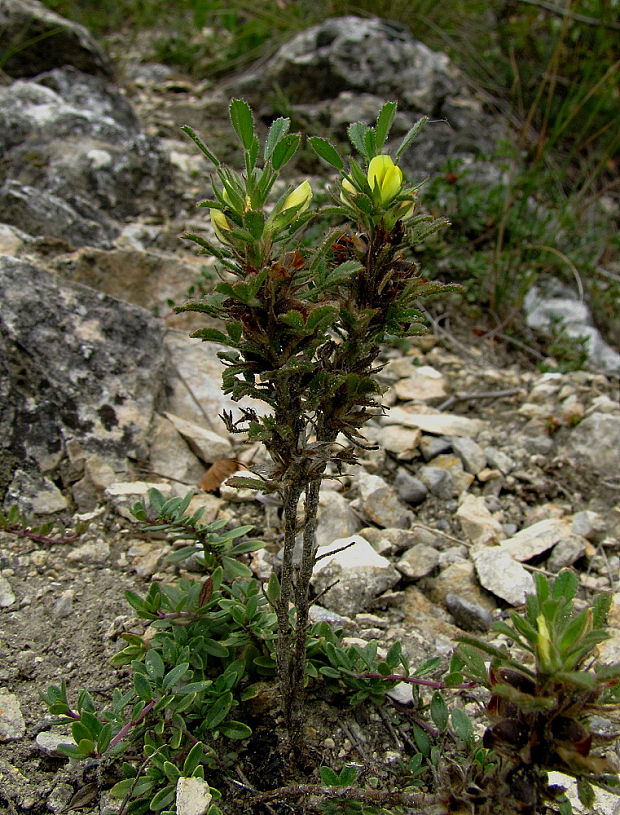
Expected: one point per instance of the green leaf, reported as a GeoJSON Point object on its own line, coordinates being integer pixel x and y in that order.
{"type": "Point", "coordinates": [586, 795]}
{"type": "Point", "coordinates": [422, 741]}
{"type": "Point", "coordinates": [242, 121]}
{"type": "Point", "coordinates": [193, 759]}
{"type": "Point", "coordinates": [462, 725]}
{"type": "Point", "coordinates": [357, 136]}
{"type": "Point", "coordinates": [439, 711]}
{"type": "Point", "coordinates": [329, 777]}
{"type": "Point", "coordinates": [154, 664]}
{"type": "Point", "coordinates": [254, 222]}
{"type": "Point", "coordinates": [565, 585]}
{"type": "Point", "coordinates": [326, 151]}
{"type": "Point", "coordinates": [410, 136]}
{"type": "Point", "coordinates": [348, 775]}
{"type": "Point", "coordinates": [277, 131]}
{"type": "Point", "coordinates": [384, 123]}
{"type": "Point", "coordinates": [161, 799]}
{"type": "Point", "coordinates": [173, 676]}
{"type": "Point", "coordinates": [235, 730]}
{"type": "Point", "coordinates": [218, 711]}
{"type": "Point", "coordinates": [200, 144]}
{"type": "Point", "coordinates": [142, 687]}
{"type": "Point", "coordinates": [285, 150]}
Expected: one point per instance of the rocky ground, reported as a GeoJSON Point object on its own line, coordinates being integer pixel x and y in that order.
{"type": "Point", "coordinates": [485, 470]}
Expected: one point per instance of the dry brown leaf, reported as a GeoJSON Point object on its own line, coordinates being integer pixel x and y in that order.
{"type": "Point", "coordinates": [218, 472]}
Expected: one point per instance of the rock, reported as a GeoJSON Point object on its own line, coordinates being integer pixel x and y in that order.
{"type": "Point", "coordinates": [402, 441]}
{"type": "Point", "coordinates": [34, 494]}
{"type": "Point", "coordinates": [12, 724]}
{"type": "Point", "coordinates": [94, 370]}
{"type": "Point", "coordinates": [16, 788]}
{"type": "Point", "coordinates": [340, 62]}
{"type": "Point", "coordinates": [92, 552]}
{"type": "Point", "coordinates": [11, 240]}
{"type": "Point", "coordinates": [63, 607]}
{"type": "Point", "coordinates": [208, 445]}
{"type": "Point", "coordinates": [471, 454]}
{"type": "Point", "coordinates": [536, 539]}
{"type": "Point", "coordinates": [193, 796]}
{"type": "Point", "coordinates": [433, 446]}
{"type": "Point", "coordinates": [54, 134]}
{"type": "Point", "coordinates": [35, 39]}
{"type": "Point", "coordinates": [499, 460]}
{"type": "Point", "coordinates": [410, 489]}
{"type": "Point", "coordinates": [418, 561]}
{"type": "Point", "coordinates": [336, 519]}
{"type": "Point", "coordinates": [237, 495]}
{"type": "Point", "coordinates": [500, 574]}
{"type": "Point", "coordinates": [589, 525]}
{"type": "Point", "coordinates": [477, 523]}
{"type": "Point", "coordinates": [48, 742]}
{"type": "Point", "coordinates": [425, 385]}
{"type": "Point", "coordinates": [461, 480]}
{"type": "Point", "coordinates": [458, 578]}
{"type": "Point", "coordinates": [7, 595]}
{"type": "Point", "coordinates": [439, 424]}
{"type": "Point", "coordinates": [551, 302]}
{"type": "Point", "coordinates": [438, 481]}
{"type": "Point", "coordinates": [124, 494]}
{"type": "Point", "coordinates": [566, 552]}
{"type": "Point", "coordinates": [170, 455]}
{"type": "Point", "coordinates": [595, 442]}
{"type": "Point", "coordinates": [362, 574]}
{"type": "Point", "coordinates": [467, 615]}
{"type": "Point", "coordinates": [379, 502]}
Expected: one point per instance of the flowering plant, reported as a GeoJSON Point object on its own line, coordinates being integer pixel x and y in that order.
{"type": "Point", "coordinates": [304, 326]}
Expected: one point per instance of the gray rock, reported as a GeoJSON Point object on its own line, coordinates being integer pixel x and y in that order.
{"type": "Point", "coordinates": [536, 539]}
{"type": "Point", "coordinates": [209, 446]}
{"type": "Point", "coordinates": [409, 489]}
{"type": "Point", "coordinates": [63, 607]}
{"type": "Point", "coordinates": [336, 519]}
{"type": "Point", "coordinates": [193, 796]}
{"type": "Point", "coordinates": [595, 442]}
{"type": "Point", "coordinates": [361, 573]}
{"type": "Point", "coordinates": [551, 302]}
{"type": "Point", "coordinates": [418, 561]}
{"type": "Point", "coordinates": [589, 525]}
{"type": "Point", "coordinates": [439, 424]}
{"type": "Point", "coordinates": [500, 574]}
{"type": "Point", "coordinates": [477, 522]}
{"type": "Point", "coordinates": [79, 366]}
{"type": "Point", "coordinates": [12, 724]}
{"type": "Point", "coordinates": [7, 595]}
{"type": "Point", "coordinates": [438, 481]}
{"type": "Point", "coordinates": [36, 39]}
{"type": "Point", "coordinates": [566, 552]}
{"type": "Point", "coordinates": [379, 502]}
{"type": "Point", "coordinates": [467, 615]}
{"type": "Point", "coordinates": [471, 454]}
{"type": "Point", "coordinates": [433, 446]}
{"type": "Point", "coordinates": [34, 494]}
{"type": "Point", "coordinates": [72, 148]}
{"type": "Point", "coordinates": [48, 742]}
{"type": "Point", "coordinates": [321, 68]}
{"type": "Point", "coordinates": [499, 460]}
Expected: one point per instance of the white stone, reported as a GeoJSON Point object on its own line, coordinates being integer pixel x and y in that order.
{"type": "Point", "coordinates": [380, 503]}
{"type": "Point", "coordinates": [418, 561]}
{"type": "Point", "coordinates": [7, 595]}
{"type": "Point", "coordinates": [210, 446]}
{"type": "Point", "coordinates": [500, 574]}
{"type": "Point", "coordinates": [12, 724]}
{"type": "Point", "coordinates": [193, 796]}
{"type": "Point", "coordinates": [439, 424]}
{"type": "Point", "coordinates": [536, 539]}
{"type": "Point", "coordinates": [49, 741]}
{"type": "Point", "coordinates": [477, 523]}
{"type": "Point", "coordinates": [426, 384]}
{"type": "Point", "coordinates": [402, 441]}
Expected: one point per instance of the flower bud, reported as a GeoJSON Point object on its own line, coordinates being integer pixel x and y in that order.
{"type": "Point", "coordinates": [220, 224]}
{"type": "Point", "coordinates": [385, 179]}
{"type": "Point", "coordinates": [301, 195]}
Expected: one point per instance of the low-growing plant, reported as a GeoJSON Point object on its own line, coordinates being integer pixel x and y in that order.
{"type": "Point", "coordinates": [541, 703]}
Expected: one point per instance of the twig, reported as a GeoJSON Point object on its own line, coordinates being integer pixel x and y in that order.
{"type": "Point", "coordinates": [464, 397]}
{"type": "Point", "coordinates": [126, 728]}
{"type": "Point", "coordinates": [334, 551]}
{"type": "Point", "coordinates": [139, 772]}
{"type": "Point", "coordinates": [411, 680]}
{"type": "Point", "coordinates": [574, 15]}
{"type": "Point", "coordinates": [425, 804]}
{"type": "Point", "coordinates": [248, 786]}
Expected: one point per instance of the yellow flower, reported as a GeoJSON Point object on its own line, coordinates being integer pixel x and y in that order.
{"type": "Point", "coordinates": [301, 195]}
{"type": "Point", "coordinates": [220, 224]}
{"type": "Point", "coordinates": [385, 179]}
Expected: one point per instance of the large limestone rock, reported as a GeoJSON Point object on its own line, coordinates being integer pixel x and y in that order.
{"type": "Point", "coordinates": [34, 39]}
{"type": "Point", "coordinates": [75, 162]}
{"type": "Point", "coordinates": [80, 373]}
{"type": "Point", "coordinates": [345, 68]}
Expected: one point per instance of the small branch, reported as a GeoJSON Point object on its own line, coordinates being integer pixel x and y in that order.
{"type": "Point", "coordinates": [126, 728]}
{"type": "Point", "coordinates": [424, 804]}
{"type": "Point", "coordinates": [427, 683]}
{"type": "Point", "coordinates": [463, 397]}
{"type": "Point", "coordinates": [334, 551]}
{"type": "Point", "coordinates": [33, 536]}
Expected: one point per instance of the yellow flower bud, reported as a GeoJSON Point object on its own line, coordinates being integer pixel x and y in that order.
{"type": "Point", "coordinates": [385, 179]}
{"type": "Point", "coordinates": [220, 224]}
{"type": "Point", "coordinates": [543, 644]}
{"type": "Point", "coordinates": [301, 195]}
